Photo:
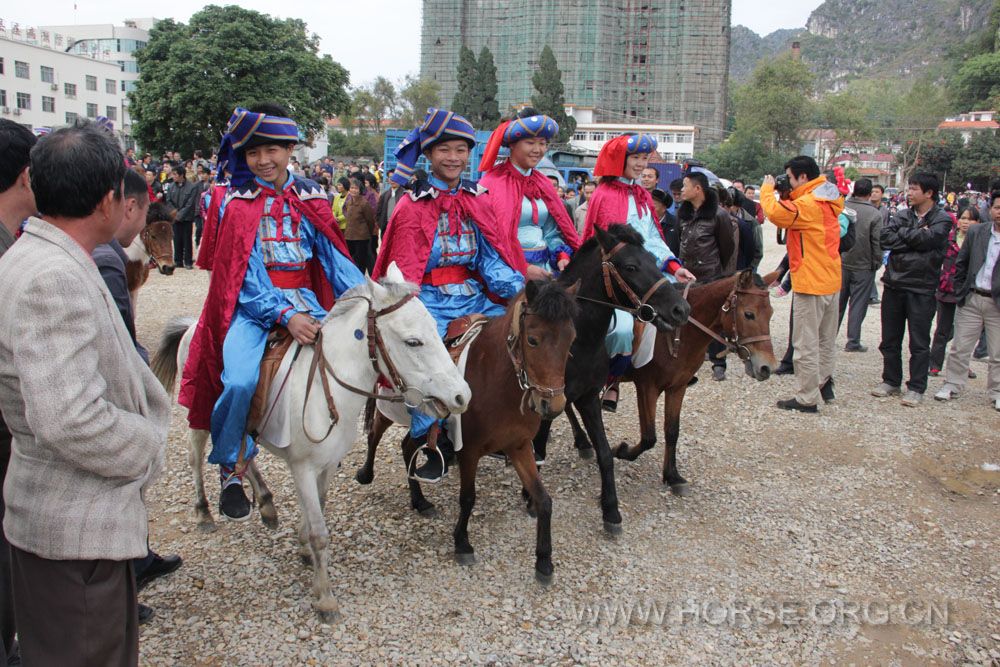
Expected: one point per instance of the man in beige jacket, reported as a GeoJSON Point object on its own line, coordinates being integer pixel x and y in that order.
{"type": "Point", "coordinates": [88, 418]}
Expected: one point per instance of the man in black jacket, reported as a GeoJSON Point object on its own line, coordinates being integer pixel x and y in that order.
{"type": "Point", "coordinates": [977, 286]}
{"type": "Point", "coordinates": [858, 265]}
{"type": "Point", "coordinates": [915, 238]}
{"type": "Point", "coordinates": [183, 196]}
{"type": "Point", "coordinates": [387, 202]}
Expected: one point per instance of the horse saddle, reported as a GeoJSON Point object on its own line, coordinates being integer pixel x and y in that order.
{"type": "Point", "coordinates": [278, 342]}
{"type": "Point", "coordinates": [462, 331]}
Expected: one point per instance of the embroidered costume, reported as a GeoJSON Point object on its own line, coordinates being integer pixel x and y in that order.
{"type": "Point", "coordinates": [525, 202]}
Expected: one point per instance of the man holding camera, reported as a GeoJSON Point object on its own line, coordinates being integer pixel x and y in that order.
{"type": "Point", "coordinates": [808, 208]}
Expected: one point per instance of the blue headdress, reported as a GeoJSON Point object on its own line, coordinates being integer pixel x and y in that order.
{"type": "Point", "coordinates": [245, 130]}
{"type": "Point", "coordinates": [511, 131]}
{"type": "Point", "coordinates": [439, 125]}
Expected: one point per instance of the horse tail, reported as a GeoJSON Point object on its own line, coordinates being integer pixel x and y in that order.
{"type": "Point", "coordinates": [164, 362]}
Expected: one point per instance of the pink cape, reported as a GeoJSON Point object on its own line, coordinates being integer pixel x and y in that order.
{"type": "Point", "coordinates": [410, 232]}
{"type": "Point", "coordinates": [506, 188]}
{"type": "Point", "coordinates": [201, 382]}
{"type": "Point", "coordinates": [609, 206]}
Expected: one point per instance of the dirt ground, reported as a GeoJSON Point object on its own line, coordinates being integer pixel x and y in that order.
{"type": "Point", "coordinates": [866, 534]}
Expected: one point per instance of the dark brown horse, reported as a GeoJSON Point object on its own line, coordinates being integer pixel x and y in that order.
{"type": "Point", "coordinates": [516, 370]}
{"type": "Point", "coordinates": [154, 245]}
{"type": "Point", "coordinates": [735, 311]}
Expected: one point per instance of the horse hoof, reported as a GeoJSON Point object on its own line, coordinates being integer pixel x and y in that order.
{"type": "Point", "coordinates": [465, 559]}
{"type": "Point", "coordinates": [328, 617]}
{"type": "Point", "coordinates": [306, 559]}
{"type": "Point", "coordinates": [269, 519]}
{"type": "Point", "coordinates": [621, 451]}
{"type": "Point", "coordinates": [207, 526]}
{"type": "Point", "coordinates": [586, 452]}
{"type": "Point", "coordinates": [680, 490]}
{"type": "Point", "coordinates": [364, 475]}
{"type": "Point", "coordinates": [532, 512]}
{"type": "Point", "coordinates": [612, 528]}
{"type": "Point", "coordinates": [544, 578]}
{"type": "Point", "coordinates": [427, 511]}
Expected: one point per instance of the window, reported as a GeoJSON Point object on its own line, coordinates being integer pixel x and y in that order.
{"type": "Point", "coordinates": [3, 98]}
{"type": "Point", "coordinates": [69, 89]}
{"type": "Point", "coordinates": [579, 136]}
{"type": "Point", "coordinates": [48, 74]}
{"type": "Point", "coordinates": [21, 70]}
{"type": "Point", "coordinates": [23, 101]}
{"type": "Point", "coordinates": [111, 113]}
{"type": "Point", "coordinates": [1, 65]}
{"type": "Point", "coordinates": [128, 86]}
{"type": "Point", "coordinates": [91, 110]}
{"type": "Point", "coordinates": [110, 86]}
{"type": "Point", "coordinates": [91, 82]}
{"type": "Point", "coordinates": [71, 117]}
{"type": "Point", "coordinates": [49, 104]}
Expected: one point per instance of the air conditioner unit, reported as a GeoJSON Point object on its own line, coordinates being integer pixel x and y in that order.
{"type": "Point", "coordinates": [17, 112]}
{"type": "Point", "coordinates": [6, 109]}
{"type": "Point", "coordinates": [55, 86]}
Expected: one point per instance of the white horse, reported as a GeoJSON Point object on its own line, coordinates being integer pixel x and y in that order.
{"type": "Point", "coordinates": [410, 350]}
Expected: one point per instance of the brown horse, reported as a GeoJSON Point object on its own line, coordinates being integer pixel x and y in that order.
{"type": "Point", "coordinates": [735, 311]}
{"type": "Point", "coordinates": [517, 362]}
{"type": "Point", "coordinates": [154, 245]}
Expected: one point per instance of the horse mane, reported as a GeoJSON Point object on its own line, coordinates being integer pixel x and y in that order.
{"type": "Point", "coordinates": [620, 232]}
{"type": "Point", "coordinates": [346, 301]}
{"type": "Point", "coordinates": [160, 211]}
{"type": "Point", "coordinates": [552, 302]}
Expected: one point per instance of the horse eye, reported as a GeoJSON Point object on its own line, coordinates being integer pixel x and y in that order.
{"type": "Point", "coordinates": [532, 341]}
{"type": "Point", "coordinates": [749, 315]}
{"type": "Point", "coordinates": [631, 268]}
{"type": "Point", "coordinates": [414, 342]}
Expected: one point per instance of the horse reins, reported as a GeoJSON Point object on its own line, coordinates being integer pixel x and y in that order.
{"type": "Point", "coordinates": [517, 340]}
{"type": "Point", "coordinates": [732, 341]}
{"type": "Point", "coordinates": [639, 307]}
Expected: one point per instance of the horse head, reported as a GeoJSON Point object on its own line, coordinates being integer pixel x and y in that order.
{"type": "Point", "coordinates": [541, 333]}
{"type": "Point", "coordinates": [629, 277]}
{"type": "Point", "coordinates": [746, 319]}
{"type": "Point", "coordinates": [158, 236]}
{"type": "Point", "coordinates": [412, 349]}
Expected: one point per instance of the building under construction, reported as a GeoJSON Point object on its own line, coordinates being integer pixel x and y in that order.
{"type": "Point", "coordinates": [636, 61]}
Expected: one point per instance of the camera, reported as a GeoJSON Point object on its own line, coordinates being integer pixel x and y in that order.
{"type": "Point", "coordinates": [783, 186]}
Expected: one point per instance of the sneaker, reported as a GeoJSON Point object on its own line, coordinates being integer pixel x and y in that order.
{"type": "Point", "coordinates": [233, 503]}
{"type": "Point", "coordinates": [884, 390]}
{"type": "Point", "coordinates": [972, 374]}
{"type": "Point", "coordinates": [718, 373]}
{"type": "Point", "coordinates": [826, 391]}
{"type": "Point", "coordinates": [874, 302]}
{"type": "Point", "coordinates": [785, 369]}
{"type": "Point", "coordinates": [946, 392]}
{"type": "Point", "coordinates": [610, 400]}
{"type": "Point", "coordinates": [433, 470]}
{"type": "Point", "coordinates": [780, 292]}
{"type": "Point", "coordinates": [996, 404]}
{"type": "Point", "coordinates": [855, 348]}
{"type": "Point", "coordinates": [912, 399]}
{"type": "Point", "coordinates": [934, 372]}
{"type": "Point", "coordinates": [792, 404]}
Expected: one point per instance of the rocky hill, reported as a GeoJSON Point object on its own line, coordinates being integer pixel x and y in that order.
{"type": "Point", "coordinates": [845, 39]}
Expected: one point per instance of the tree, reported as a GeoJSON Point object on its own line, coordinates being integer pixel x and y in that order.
{"type": "Point", "coordinates": [844, 114]}
{"type": "Point", "coordinates": [979, 162]}
{"type": "Point", "coordinates": [374, 103]}
{"type": "Point", "coordinates": [355, 144]}
{"type": "Point", "coordinates": [486, 91]}
{"type": "Point", "coordinates": [939, 152]}
{"type": "Point", "coordinates": [464, 103]}
{"type": "Point", "coordinates": [416, 96]}
{"type": "Point", "coordinates": [976, 84]}
{"type": "Point", "coordinates": [192, 76]}
{"type": "Point", "coordinates": [548, 98]}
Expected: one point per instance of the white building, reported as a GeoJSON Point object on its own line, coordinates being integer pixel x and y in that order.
{"type": "Point", "coordinates": [78, 70]}
{"type": "Point", "coordinates": [675, 142]}
{"type": "Point", "coordinates": [970, 123]}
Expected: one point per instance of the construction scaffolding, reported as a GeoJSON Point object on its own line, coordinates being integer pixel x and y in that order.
{"type": "Point", "coordinates": [640, 61]}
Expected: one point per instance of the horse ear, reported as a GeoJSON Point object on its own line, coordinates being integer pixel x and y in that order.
{"type": "Point", "coordinates": [745, 279]}
{"type": "Point", "coordinates": [770, 278]}
{"type": "Point", "coordinates": [393, 274]}
{"type": "Point", "coordinates": [377, 291]}
{"type": "Point", "coordinates": [574, 288]}
{"type": "Point", "coordinates": [603, 238]}
{"type": "Point", "coordinates": [531, 288]}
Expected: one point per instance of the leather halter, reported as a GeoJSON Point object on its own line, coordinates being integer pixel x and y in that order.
{"type": "Point", "coordinates": [376, 348]}
{"type": "Point", "coordinates": [516, 342]}
{"type": "Point", "coordinates": [639, 307]}
{"type": "Point", "coordinates": [732, 341]}
{"type": "Point", "coordinates": [144, 239]}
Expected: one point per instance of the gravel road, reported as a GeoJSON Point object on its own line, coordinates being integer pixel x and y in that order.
{"type": "Point", "coordinates": [866, 534]}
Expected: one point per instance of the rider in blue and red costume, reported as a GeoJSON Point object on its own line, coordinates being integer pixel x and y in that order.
{"type": "Point", "coordinates": [444, 237]}
{"type": "Point", "coordinates": [278, 259]}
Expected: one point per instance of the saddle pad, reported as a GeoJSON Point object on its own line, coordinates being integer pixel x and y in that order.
{"type": "Point", "coordinates": [278, 343]}
{"type": "Point", "coordinates": [278, 429]}
{"type": "Point", "coordinates": [645, 342]}
{"type": "Point", "coordinates": [398, 413]}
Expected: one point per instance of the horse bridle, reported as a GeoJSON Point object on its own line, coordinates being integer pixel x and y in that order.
{"type": "Point", "coordinates": [144, 239]}
{"type": "Point", "coordinates": [516, 340]}
{"type": "Point", "coordinates": [732, 341]}
{"type": "Point", "coordinates": [376, 347]}
{"type": "Point", "coordinates": [639, 307]}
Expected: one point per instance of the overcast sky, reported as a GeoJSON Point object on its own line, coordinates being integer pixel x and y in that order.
{"type": "Point", "coordinates": [378, 37]}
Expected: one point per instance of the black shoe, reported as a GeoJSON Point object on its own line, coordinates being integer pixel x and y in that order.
{"type": "Point", "coordinates": [432, 471]}
{"type": "Point", "coordinates": [855, 348]}
{"type": "Point", "coordinates": [693, 380]}
{"type": "Point", "coordinates": [160, 566]}
{"type": "Point", "coordinates": [826, 391]}
{"type": "Point", "coordinates": [145, 614]}
{"type": "Point", "coordinates": [785, 369]}
{"type": "Point", "coordinates": [234, 504]}
{"type": "Point", "coordinates": [874, 302]}
{"type": "Point", "coordinates": [792, 404]}
{"type": "Point", "coordinates": [718, 373]}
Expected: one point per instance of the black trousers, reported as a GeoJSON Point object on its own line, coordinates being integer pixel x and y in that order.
{"type": "Point", "coordinates": [361, 253]}
{"type": "Point", "coordinates": [199, 228]}
{"type": "Point", "coordinates": [855, 289]}
{"type": "Point", "coordinates": [183, 248]}
{"type": "Point", "coordinates": [912, 313]}
{"type": "Point", "coordinates": [715, 348]}
{"type": "Point", "coordinates": [75, 612]}
{"type": "Point", "coordinates": [943, 332]}
{"type": "Point", "coordinates": [8, 627]}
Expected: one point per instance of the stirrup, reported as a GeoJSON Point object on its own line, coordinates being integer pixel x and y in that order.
{"type": "Point", "coordinates": [411, 472]}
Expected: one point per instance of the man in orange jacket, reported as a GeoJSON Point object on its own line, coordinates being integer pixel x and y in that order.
{"type": "Point", "coordinates": [809, 212]}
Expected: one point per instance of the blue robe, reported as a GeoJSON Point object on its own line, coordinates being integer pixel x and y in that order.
{"type": "Point", "coordinates": [543, 242]}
